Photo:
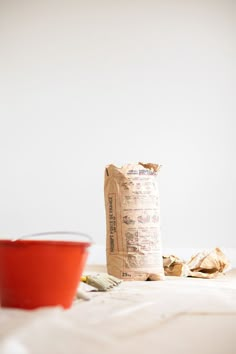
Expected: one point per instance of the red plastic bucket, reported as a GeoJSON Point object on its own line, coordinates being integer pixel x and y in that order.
{"type": "Point", "coordinates": [38, 272]}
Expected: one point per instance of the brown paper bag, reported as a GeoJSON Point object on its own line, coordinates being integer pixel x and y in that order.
{"type": "Point", "coordinates": [174, 266]}
{"type": "Point", "coordinates": [208, 264]}
{"type": "Point", "coordinates": [205, 264]}
{"type": "Point", "coordinates": [133, 222]}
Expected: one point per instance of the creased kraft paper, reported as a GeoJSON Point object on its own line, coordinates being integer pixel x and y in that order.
{"type": "Point", "coordinates": [133, 222]}
{"type": "Point", "coordinates": [205, 264]}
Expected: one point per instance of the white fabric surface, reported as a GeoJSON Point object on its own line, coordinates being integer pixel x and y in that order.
{"type": "Point", "coordinates": [177, 315]}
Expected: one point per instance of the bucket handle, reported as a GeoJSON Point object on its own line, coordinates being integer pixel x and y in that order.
{"type": "Point", "coordinates": [53, 233]}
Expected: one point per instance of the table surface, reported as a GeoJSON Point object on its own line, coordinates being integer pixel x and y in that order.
{"type": "Point", "coordinates": [178, 315]}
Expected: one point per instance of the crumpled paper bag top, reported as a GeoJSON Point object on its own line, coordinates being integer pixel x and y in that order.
{"type": "Point", "coordinates": [205, 264]}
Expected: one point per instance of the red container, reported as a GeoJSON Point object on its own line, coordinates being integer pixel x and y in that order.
{"type": "Point", "coordinates": [35, 273]}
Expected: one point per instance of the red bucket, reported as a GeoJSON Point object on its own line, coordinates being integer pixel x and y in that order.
{"type": "Point", "coordinates": [45, 271]}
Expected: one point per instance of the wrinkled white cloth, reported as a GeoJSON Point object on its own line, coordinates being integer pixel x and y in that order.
{"type": "Point", "coordinates": [165, 317]}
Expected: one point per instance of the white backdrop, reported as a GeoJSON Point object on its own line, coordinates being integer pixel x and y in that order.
{"type": "Point", "coordinates": [87, 83]}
